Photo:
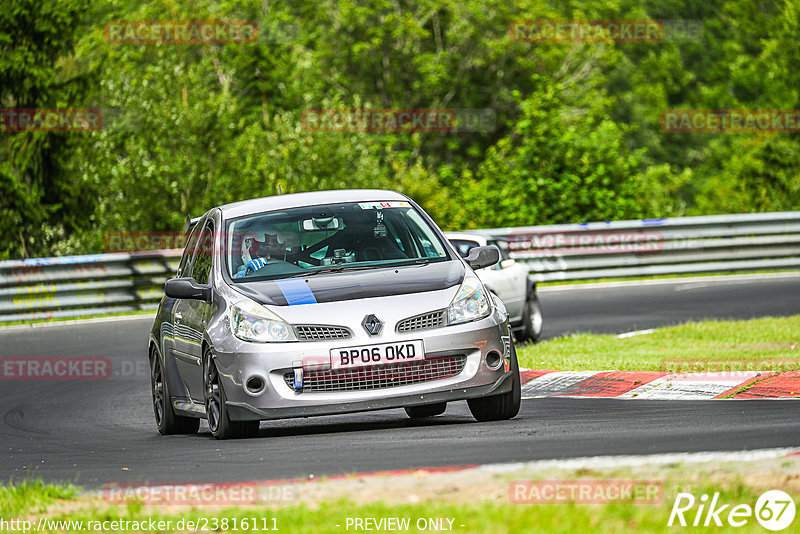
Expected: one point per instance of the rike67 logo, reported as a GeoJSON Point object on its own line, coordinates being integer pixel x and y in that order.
{"type": "Point", "coordinates": [774, 511]}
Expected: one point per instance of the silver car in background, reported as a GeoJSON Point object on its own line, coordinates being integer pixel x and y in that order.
{"type": "Point", "coordinates": [326, 303]}
{"type": "Point", "coordinates": [509, 280]}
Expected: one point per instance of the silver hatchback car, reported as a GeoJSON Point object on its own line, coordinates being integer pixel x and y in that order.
{"type": "Point", "coordinates": [326, 303]}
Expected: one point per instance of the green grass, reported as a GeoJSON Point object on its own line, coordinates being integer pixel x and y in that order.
{"type": "Point", "coordinates": [499, 516]}
{"type": "Point", "coordinates": [76, 318]}
{"type": "Point", "coordinates": [758, 344]}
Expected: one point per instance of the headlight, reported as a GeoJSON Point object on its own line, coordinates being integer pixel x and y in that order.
{"type": "Point", "coordinates": [470, 303]}
{"type": "Point", "coordinates": [251, 321]}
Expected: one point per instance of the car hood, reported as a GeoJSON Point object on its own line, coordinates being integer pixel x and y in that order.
{"type": "Point", "coordinates": [355, 284]}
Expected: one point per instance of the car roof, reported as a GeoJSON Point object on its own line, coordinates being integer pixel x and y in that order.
{"type": "Point", "coordinates": [481, 238]}
{"type": "Point", "coordinates": [298, 200]}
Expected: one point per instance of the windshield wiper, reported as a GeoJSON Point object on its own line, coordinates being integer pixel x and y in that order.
{"type": "Point", "coordinates": [418, 261]}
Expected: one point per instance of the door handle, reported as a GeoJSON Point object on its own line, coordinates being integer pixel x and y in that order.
{"type": "Point", "coordinates": [178, 317]}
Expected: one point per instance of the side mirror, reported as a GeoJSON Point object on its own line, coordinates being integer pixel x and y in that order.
{"type": "Point", "coordinates": [480, 257]}
{"type": "Point", "coordinates": [187, 288]}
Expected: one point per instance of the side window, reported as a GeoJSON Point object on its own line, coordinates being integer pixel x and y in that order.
{"type": "Point", "coordinates": [463, 247]}
{"type": "Point", "coordinates": [395, 234]}
{"type": "Point", "coordinates": [187, 252]}
{"type": "Point", "coordinates": [204, 256]}
{"type": "Point", "coordinates": [503, 254]}
{"type": "Point", "coordinates": [319, 254]}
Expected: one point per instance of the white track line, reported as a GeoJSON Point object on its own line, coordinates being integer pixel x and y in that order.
{"type": "Point", "coordinates": [660, 281]}
{"type": "Point", "coordinates": [688, 386]}
{"type": "Point", "coordinates": [612, 462]}
{"type": "Point", "coordinates": [69, 322]}
{"type": "Point", "coordinates": [553, 383]}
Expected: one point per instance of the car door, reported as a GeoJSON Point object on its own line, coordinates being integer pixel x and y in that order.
{"type": "Point", "coordinates": [190, 316]}
{"type": "Point", "coordinates": [511, 281]}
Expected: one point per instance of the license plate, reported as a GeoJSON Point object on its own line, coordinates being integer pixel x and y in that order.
{"type": "Point", "coordinates": [385, 353]}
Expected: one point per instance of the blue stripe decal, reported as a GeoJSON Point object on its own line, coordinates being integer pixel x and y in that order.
{"type": "Point", "coordinates": [296, 292]}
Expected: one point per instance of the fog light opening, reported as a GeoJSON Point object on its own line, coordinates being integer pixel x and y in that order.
{"type": "Point", "coordinates": [493, 360]}
{"type": "Point", "coordinates": [255, 384]}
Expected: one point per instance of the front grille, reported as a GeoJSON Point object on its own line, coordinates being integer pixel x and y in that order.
{"type": "Point", "coordinates": [422, 322]}
{"type": "Point", "coordinates": [322, 333]}
{"type": "Point", "coordinates": [381, 376]}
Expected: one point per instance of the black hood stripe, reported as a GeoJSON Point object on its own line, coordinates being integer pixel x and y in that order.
{"type": "Point", "coordinates": [356, 284]}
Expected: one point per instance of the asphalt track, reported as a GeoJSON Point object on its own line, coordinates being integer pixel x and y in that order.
{"type": "Point", "coordinates": [98, 431]}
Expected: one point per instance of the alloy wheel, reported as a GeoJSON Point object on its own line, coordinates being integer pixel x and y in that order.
{"type": "Point", "coordinates": [535, 315]}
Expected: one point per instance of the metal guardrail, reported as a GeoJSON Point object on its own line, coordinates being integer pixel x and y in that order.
{"type": "Point", "coordinates": [715, 243]}
{"type": "Point", "coordinates": [106, 283]}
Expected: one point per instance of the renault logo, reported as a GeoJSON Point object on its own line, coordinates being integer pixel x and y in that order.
{"type": "Point", "coordinates": [372, 325]}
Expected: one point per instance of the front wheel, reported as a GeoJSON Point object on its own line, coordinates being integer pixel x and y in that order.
{"type": "Point", "coordinates": [502, 406]}
{"type": "Point", "coordinates": [167, 421]}
{"type": "Point", "coordinates": [216, 409]}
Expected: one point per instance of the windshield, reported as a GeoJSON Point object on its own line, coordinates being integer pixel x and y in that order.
{"type": "Point", "coordinates": [329, 238]}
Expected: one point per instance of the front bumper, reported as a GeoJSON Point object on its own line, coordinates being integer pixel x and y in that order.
{"type": "Point", "coordinates": [246, 412]}
{"type": "Point", "coordinates": [271, 362]}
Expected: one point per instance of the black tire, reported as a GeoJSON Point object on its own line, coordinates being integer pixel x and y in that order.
{"type": "Point", "coordinates": [532, 319]}
{"type": "Point", "coordinates": [167, 421]}
{"type": "Point", "coordinates": [428, 410]}
{"type": "Point", "coordinates": [503, 406]}
{"type": "Point", "coordinates": [216, 410]}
